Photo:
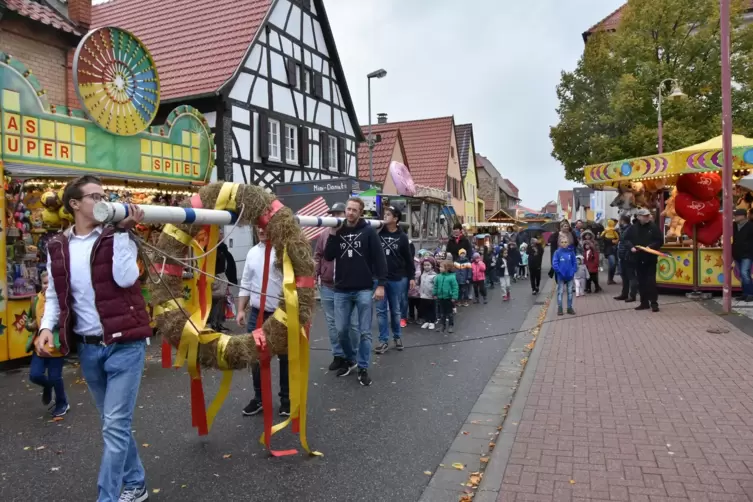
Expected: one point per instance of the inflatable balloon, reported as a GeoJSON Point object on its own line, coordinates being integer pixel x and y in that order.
{"type": "Point", "coordinates": [695, 211]}
{"type": "Point", "coordinates": [702, 186]}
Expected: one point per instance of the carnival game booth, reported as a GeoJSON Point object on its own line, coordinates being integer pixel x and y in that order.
{"type": "Point", "coordinates": [683, 189]}
{"type": "Point", "coordinates": [44, 146]}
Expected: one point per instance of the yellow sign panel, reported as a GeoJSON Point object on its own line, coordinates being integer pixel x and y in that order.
{"type": "Point", "coordinates": [678, 268]}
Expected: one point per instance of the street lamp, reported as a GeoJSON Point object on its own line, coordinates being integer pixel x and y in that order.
{"type": "Point", "coordinates": [675, 95]}
{"type": "Point", "coordinates": [381, 73]}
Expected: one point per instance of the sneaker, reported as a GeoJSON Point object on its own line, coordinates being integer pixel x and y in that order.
{"type": "Point", "coordinates": [642, 306]}
{"type": "Point", "coordinates": [451, 329]}
{"type": "Point", "coordinates": [403, 323]}
{"type": "Point", "coordinates": [47, 395]}
{"type": "Point", "coordinates": [363, 377]}
{"type": "Point", "coordinates": [346, 368]}
{"type": "Point", "coordinates": [559, 311]}
{"type": "Point", "coordinates": [252, 408]}
{"type": "Point", "coordinates": [431, 325]}
{"type": "Point", "coordinates": [570, 311]}
{"type": "Point", "coordinates": [382, 348]}
{"type": "Point", "coordinates": [398, 344]}
{"type": "Point", "coordinates": [285, 408]}
{"type": "Point", "coordinates": [426, 325]}
{"type": "Point", "coordinates": [485, 302]}
{"type": "Point", "coordinates": [336, 363]}
{"type": "Point", "coordinates": [654, 308]}
{"type": "Point", "coordinates": [620, 298]}
{"type": "Point", "coordinates": [134, 495]}
{"type": "Point", "coordinates": [61, 410]}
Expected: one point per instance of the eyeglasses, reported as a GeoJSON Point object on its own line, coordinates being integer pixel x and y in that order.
{"type": "Point", "coordinates": [96, 197]}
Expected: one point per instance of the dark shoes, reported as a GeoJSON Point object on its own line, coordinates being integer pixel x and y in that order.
{"type": "Point", "coordinates": [570, 311]}
{"type": "Point", "coordinates": [382, 348]}
{"type": "Point", "coordinates": [630, 300]}
{"type": "Point", "coordinates": [451, 329]}
{"type": "Point", "coordinates": [399, 344]}
{"type": "Point", "coordinates": [611, 282]}
{"type": "Point", "coordinates": [336, 363]}
{"type": "Point", "coordinates": [363, 377]}
{"type": "Point", "coordinates": [654, 308]}
{"type": "Point", "coordinates": [285, 408]}
{"type": "Point", "coordinates": [559, 311]}
{"type": "Point", "coordinates": [643, 306]}
{"type": "Point", "coordinates": [620, 298]}
{"type": "Point", "coordinates": [252, 408]}
{"type": "Point", "coordinates": [346, 368]}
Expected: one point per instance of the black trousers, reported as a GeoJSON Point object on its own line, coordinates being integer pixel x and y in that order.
{"type": "Point", "coordinates": [479, 289]}
{"type": "Point", "coordinates": [446, 314]}
{"type": "Point", "coordinates": [414, 307]}
{"type": "Point", "coordinates": [535, 274]}
{"type": "Point", "coordinates": [646, 273]}
{"type": "Point", "coordinates": [629, 280]}
{"type": "Point", "coordinates": [593, 277]}
{"type": "Point", "coordinates": [428, 310]}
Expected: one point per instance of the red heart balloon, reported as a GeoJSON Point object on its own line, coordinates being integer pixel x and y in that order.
{"type": "Point", "coordinates": [695, 211]}
{"type": "Point", "coordinates": [706, 233]}
{"type": "Point", "coordinates": [702, 186]}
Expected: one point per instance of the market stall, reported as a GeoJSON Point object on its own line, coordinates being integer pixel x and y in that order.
{"type": "Point", "coordinates": [683, 189]}
{"type": "Point", "coordinates": [44, 146]}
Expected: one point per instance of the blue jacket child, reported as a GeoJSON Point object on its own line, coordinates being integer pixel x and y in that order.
{"type": "Point", "coordinates": [565, 264]}
{"type": "Point", "coordinates": [463, 269]}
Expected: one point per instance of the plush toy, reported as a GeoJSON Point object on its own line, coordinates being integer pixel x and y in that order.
{"type": "Point", "coordinates": [65, 215]}
{"type": "Point", "coordinates": [702, 186]}
{"type": "Point", "coordinates": [706, 233]}
{"type": "Point", "coordinates": [50, 219]}
{"type": "Point", "coordinates": [694, 210]}
{"type": "Point", "coordinates": [36, 218]}
{"type": "Point", "coordinates": [51, 200]}
{"type": "Point", "coordinates": [676, 225]}
{"type": "Point", "coordinates": [610, 233]}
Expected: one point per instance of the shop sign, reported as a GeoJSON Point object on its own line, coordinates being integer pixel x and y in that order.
{"type": "Point", "coordinates": [37, 133]}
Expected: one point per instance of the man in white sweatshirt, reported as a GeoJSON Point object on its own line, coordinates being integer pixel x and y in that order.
{"type": "Point", "coordinates": [250, 293]}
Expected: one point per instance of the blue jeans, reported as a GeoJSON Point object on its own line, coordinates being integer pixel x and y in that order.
{"type": "Point", "coordinates": [113, 374]}
{"type": "Point", "coordinates": [404, 301]}
{"type": "Point", "coordinates": [612, 261]}
{"type": "Point", "coordinates": [393, 298]}
{"type": "Point", "coordinates": [345, 303]}
{"type": "Point", "coordinates": [327, 295]}
{"type": "Point", "coordinates": [561, 287]}
{"type": "Point", "coordinates": [747, 282]}
{"type": "Point", "coordinates": [284, 394]}
{"type": "Point", "coordinates": [48, 372]}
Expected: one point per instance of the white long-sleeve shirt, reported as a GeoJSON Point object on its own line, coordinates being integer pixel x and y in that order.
{"type": "Point", "coordinates": [125, 272]}
{"type": "Point", "coordinates": [253, 274]}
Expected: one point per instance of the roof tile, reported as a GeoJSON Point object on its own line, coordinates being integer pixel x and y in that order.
{"type": "Point", "coordinates": [43, 14]}
{"type": "Point", "coordinates": [193, 57]}
{"type": "Point", "coordinates": [382, 155]}
{"type": "Point", "coordinates": [427, 148]}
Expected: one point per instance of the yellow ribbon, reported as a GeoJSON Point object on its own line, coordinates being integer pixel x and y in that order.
{"type": "Point", "coordinates": [177, 234]}
{"type": "Point", "coordinates": [168, 306]}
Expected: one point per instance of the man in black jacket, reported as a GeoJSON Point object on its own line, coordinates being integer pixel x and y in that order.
{"type": "Point", "coordinates": [360, 276]}
{"type": "Point", "coordinates": [400, 272]}
{"type": "Point", "coordinates": [742, 251]}
{"type": "Point", "coordinates": [627, 267]}
{"type": "Point", "coordinates": [647, 234]}
{"type": "Point", "coordinates": [458, 241]}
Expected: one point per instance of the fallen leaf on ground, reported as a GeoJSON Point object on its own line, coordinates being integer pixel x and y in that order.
{"type": "Point", "coordinates": [465, 433]}
{"type": "Point", "coordinates": [227, 455]}
{"type": "Point", "coordinates": [145, 445]}
{"type": "Point", "coordinates": [27, 448]}
{"type": "Point", "coordinates": [217, 475]}
{"type": "Point", "coordinates": [424, 409]}
{"type": "Point", "coordinates": [475, 479]}
{"type": "Point", "coordinates": [428, 473]}
{"type": "Point", "coordinates": [80, 381]}
{"type": "Point", "coordinates": [441, 465]}
{"type": "Point", "coordinates": [183, 486]}
{"type": "Point", "coordinates": [58, 419]}
{"type": "Point", "coordinates": [39, 448]}
{"type": "Point", "coordinates": [458, 466]}
{"type": "Point", "coordinates": [54, 469]}
{"type": "Point", "coordinates": [572, 481]}
{"type": "Point", "coordinates": [155, 490]}
{"type": "Point", "coordinates": [492, 445]}
{"type": "Point", "coordinates": [484, 460]}
{"type": "Point", "coordinates": [333, 409]}
{"type": "Point", "coordinates": [474, 421]}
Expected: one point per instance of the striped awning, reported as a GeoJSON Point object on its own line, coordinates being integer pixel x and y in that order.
{"type": "Point", "coordinates": [317, 207]}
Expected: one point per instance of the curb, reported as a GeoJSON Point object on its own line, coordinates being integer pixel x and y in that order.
{"type": "Point", "coordinates": [480, 437]}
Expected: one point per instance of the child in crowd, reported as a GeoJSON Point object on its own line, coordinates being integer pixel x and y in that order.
{"type": "Point", "coordinates": [46, 372]}
{"type": "Point", "coordinates": [581, 276]}
{"type": "Point", "coordinates": [513, 260]}
{"type": "Point", "coordinates": [490, 260]}
{"type": "Point", "coordinates": [414, 294]}
{"type": "Point", "coordinates": [446, 293]}
{"type": "Point", "coordinates": [503, 271]}
{"type": "Point", "coordinates": [478, 275]}
{"type": "Point", "coordinates": [591, 259]}
{"type": "Point", "coordinates": [564, 265]}
{"type": "Point", "coordinates": [523, 267]}
{"type": "Point", "coordinates": [428, 310]}
{"type": "Point", "coordinates": [463, 276]}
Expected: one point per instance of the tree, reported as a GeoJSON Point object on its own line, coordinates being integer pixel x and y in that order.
{"type": "Point", "coordinates": [608, 104]}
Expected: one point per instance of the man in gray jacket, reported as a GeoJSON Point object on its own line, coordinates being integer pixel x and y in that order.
{"type": "Point", "coordinates": [325, 274]}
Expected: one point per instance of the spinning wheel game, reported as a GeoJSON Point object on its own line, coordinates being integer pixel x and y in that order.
{"type": "Point", "coordinates": [116, 81]}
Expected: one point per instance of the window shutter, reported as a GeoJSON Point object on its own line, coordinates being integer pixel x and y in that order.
{"type": "Point", "coordinates": [341, 156]}
{"type": "Point", "coordinates": [283, 142]}
{"type": "Point", "coordinates": [303, 76]}
{"type": "Point", "coordinates": [318, 85]}
{"type": "Point", "coordinates": [324, 147]}
{"type": "Point", "coordinates": [263, 136]}
{"type": "Point", "coordinates": [291, 68]}
{"type": "Point", "coordinates": [303, 146]}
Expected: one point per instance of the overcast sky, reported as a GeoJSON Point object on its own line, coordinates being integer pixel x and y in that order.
{"type": "Point", "coordinates": [494, 63]}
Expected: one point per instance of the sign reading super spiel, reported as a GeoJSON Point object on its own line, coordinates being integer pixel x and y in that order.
{"type": "Point", "coordinates": [36, 133]}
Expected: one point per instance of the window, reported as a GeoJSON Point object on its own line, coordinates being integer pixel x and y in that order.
{"type": "Point", "coordinates": [332, 152]}
{"type": "Point", "coordinates": [291, 144]}
{"type": "Point", "coordinates": [274, 139]}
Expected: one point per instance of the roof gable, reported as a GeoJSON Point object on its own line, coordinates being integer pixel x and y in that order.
{"type": "Point", "coordinates": [427, 148]}
{"type": "Point", "coordinates": [464, 138]}
{"type": "Point", "coordinates": [565, 198]}
{"type": "Point", "coordinates": [381, 157]}
{"type": "Point", "coordinates": [43, 13]}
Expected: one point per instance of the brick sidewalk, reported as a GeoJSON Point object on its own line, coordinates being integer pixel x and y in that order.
{"type": "Point", "coordinates": [636, 406]}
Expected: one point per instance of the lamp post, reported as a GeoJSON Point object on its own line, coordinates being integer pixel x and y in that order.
{"type": "Point", "coordinates": [676, 94]}
{"type": "Point", "coordinates": [727, 149]}
{"type": "Point", "coordinates": [381, 73]}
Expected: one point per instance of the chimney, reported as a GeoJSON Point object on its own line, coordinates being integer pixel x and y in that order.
{"type": "Point", "coordinates": [381, 118]}
{"type": "Point", "coordinates": [80, 12]}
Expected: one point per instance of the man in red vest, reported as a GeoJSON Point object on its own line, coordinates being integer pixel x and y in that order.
{"type": "Point", "coordinates": [94, 297]}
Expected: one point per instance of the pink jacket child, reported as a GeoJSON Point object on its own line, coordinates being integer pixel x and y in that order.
{"type": "Point", "coordinates": [478, 268]}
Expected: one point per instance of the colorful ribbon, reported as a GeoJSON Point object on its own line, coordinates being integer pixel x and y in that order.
{"type": "Point", "coordinates": [263, 220]}
{"type": "Point", "coordinates": [168, 269]}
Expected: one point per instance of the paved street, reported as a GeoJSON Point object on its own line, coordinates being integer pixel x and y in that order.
{"type": "Point", "coordinates": [627, 405]}
{"type": "Point", "coordinates": [377, 441]}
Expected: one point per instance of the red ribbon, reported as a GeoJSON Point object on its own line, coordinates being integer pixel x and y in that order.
{"type": "Point", "coordinates": [196, 201]}
{"type": "Point", "coordinates": [167, 354]}
{"type": "Point", "coordinates": [263, 220]}
{"type": "Point", "coordinates": [198, 406]}
{"type": "Point", "coordinates": [174, 270]}
{"type": "Point", "coordinates": [304, 282]}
